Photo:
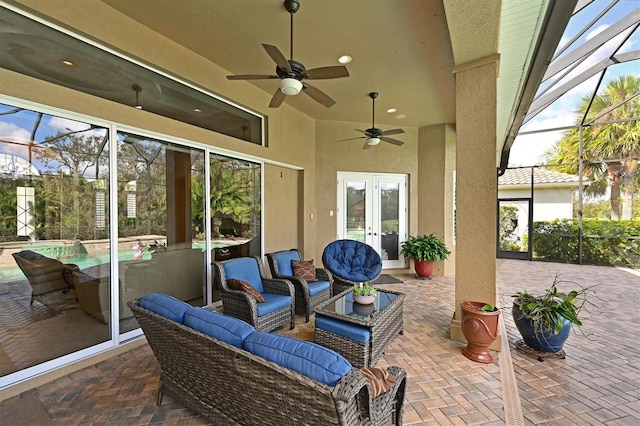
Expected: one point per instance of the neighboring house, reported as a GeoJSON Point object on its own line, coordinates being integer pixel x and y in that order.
{"type": "Point", "coordinates": [552, 194]}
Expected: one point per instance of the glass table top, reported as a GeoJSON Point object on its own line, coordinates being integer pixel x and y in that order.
{"type": "Point", "coordinates": [347, 307]}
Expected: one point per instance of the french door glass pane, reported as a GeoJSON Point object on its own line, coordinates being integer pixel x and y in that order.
{"type": "Point", "coordinates": [389, 219]}
{"type": "Point", "coordinates": [356, 210]}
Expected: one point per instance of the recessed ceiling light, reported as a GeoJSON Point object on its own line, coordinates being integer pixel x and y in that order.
{"type": "Point", "coordinates": [67, 63]}
{"type": "Point", "coordinates": [345, 59]}
{"type": "Point", "coordinates": [392, 110]}
{"type": "Point", "coordinates": [197, 110]}
{"type": "Point", "coordinates": [400, 116]}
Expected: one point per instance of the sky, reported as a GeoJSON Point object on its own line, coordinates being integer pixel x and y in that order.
{"type": "Point", "coordinates": [529, 149]}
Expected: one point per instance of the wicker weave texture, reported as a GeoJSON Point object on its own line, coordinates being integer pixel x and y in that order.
{"type": "Point", "coordinates": [230, 386]}
{"type": "Point", "coordinates": [383, 327]}
{"type": "Point", "coordinates": [241, 305]}
{"type": "Point", "coordinates": [304, 301]}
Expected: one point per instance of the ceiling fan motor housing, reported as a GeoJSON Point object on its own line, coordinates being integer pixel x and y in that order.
{"type": "Point", "coordinates": [292, 6]}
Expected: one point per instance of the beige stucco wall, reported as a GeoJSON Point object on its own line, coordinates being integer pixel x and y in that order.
{"type": "Point", "coordinates": [436, 156]}
{"type": "Point", "coordinates": [333, 156]}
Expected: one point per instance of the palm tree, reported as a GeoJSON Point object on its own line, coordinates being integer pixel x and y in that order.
{"type": "Point", "coordinates": [611, 149]}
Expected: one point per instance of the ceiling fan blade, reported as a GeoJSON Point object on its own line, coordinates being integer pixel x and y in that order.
{"type": "Point", "coordinates": [350, 139]}
{"type": "Point", "coordinates": [318, 95]}
{"type": "Point", "coordinates": [251, 77]}
{"type": "Point", "coordinates": [337, 71]}
{"type": "Point", "coordinates": [366, 145]}
{"type": "Point", "coordinates": [277, 57]}
{"type": "Point", "coordinates": [277, 99]}
{"type": "Point", "coordinates": [391, 140]}
{"type": "Point", "coordinates": [361, 131]}
{"type": "Point", "coordinates": [392, 132]}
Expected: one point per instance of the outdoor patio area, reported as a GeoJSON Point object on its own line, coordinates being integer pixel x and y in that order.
{"type": "Point", "coordinates": [597, 383]}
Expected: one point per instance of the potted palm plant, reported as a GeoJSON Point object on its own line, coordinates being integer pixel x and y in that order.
{"type": "Point", "coordinates": [425, 250]}
{"type": "Point", "coordinates": [544, 320]}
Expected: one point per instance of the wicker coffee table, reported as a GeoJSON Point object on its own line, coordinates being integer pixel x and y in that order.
{"type": "Point", "coordinates": [340, 323]}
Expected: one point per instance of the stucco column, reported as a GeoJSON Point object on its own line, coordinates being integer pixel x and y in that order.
{"type": "Point", "coordinates": [476, 187]}
{"type": "Point", "coordinates": [436, 157]}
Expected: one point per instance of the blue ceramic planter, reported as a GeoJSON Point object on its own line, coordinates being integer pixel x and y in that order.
{"type": "Point", "coordinates": [542, 341]}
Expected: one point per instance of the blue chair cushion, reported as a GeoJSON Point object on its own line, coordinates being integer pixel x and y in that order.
{"type": "Point", "coordinates": [273, 302]}
{"type": "Point", "coordinates": [224, 328]}
{"type": "Point", "coordinates": [352, 260]}
{"type": "Point", "coordinates": [165, 305]}
{"type": "Point", "coordinates": [312, 360]}
{"type": "Point", "coordinates": [284, 261]}
{"type": "Point", "coordinates": [354, 332]}
{"type": "Point", "coordinates": [316, 287]}
{"type": "Point", "coordinates": [244, 269]}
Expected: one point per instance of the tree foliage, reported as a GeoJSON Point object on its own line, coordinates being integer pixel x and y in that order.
{"type": "Point", "coordinates": [611, 147]}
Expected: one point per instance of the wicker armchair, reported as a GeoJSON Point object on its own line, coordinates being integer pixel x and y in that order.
{"type": "Point", "coordinates": [308, 293]}
{"type": "Point", "coordinates": [351, 262]}
{"type": "Point", "coordinates": [279, 295]}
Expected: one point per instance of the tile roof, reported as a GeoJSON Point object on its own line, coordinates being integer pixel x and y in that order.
{"type": "Point", "coordinates": [541, 176]}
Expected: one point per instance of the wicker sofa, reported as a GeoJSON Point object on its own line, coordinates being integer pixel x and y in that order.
{"type": "Point", "coordinates": [229, 379]}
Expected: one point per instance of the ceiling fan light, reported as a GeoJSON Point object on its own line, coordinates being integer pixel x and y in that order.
{"type": "Point", "coordinates": [373, 141]}
{"type": "Point", "coordinates": [290, 86]}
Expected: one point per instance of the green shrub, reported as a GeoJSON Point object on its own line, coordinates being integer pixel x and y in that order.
{"type": "Point", "coordinates": [605, 242]}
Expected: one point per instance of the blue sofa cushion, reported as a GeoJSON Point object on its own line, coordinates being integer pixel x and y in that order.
{"type": "Point", "coordinates": [273, 302]}
{"type": "Point", "coordinates": [284, 261]}
{"type": "Point", "coordinates": [314, 361]}
{"type": "Point", "coordinates": [244, 269]}
{"type": "Point", "coordinates": [354, 332]}
{"type": "Point", "coordinates": [165, 305]}
{"type": "Point", "coordinates": [352, 260]}
{"type": "Point", "coordinates": [221, 327]}
{"type": "Point", "coordinates": [316, 287]}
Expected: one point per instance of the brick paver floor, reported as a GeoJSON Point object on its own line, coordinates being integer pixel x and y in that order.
{"type": "Point", "coordinates": [597, 383]}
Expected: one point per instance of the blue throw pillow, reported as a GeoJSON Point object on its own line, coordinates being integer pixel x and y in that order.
{"type": "Point", "coordinates": [165, 305]}
{"type": "Point", "coordinates": [309, 359]}
{"type": "Point", "coordinates": [224, 328]}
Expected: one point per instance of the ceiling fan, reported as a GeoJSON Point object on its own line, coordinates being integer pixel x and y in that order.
{"type": "Point", "coordinates": [374, 135]}
{"type": "Point", "coordinates": [292, 73]}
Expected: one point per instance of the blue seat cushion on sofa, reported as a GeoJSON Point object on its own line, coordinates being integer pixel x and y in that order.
{"type": "Point", "coordinates": [316, 287]}
{"type": "Point", "coordinates": [165, 305]}
{"type": "Point", "coordinates": [244, 269]}
{"type": "Point", "coordinates": [221, 327]}
{"type": "Point", "coordinates": [354, 332]}
{"type": "Point", "coordinates": [284, 262]}
{"type": "Point", "coordinates": [273, 302]}
{"type": "Point", "coordinates": [312, 360]}
{"type": "Point", "coordinates": [352, 260]}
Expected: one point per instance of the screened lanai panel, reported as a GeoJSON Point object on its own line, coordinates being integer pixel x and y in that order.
{"type": "Point", "coordinates": [599, 35]}
{"type": "Point", "coordinates": [583, 122]}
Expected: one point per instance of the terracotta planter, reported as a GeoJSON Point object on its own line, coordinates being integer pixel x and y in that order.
{"type": "Point", "coordinates": [480, 328]}
{"type": "Point", "coordinates": [423, 268]}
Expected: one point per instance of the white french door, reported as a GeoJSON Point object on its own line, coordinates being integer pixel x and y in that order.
{"type": "Point", "coordinates": [372, 208]}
